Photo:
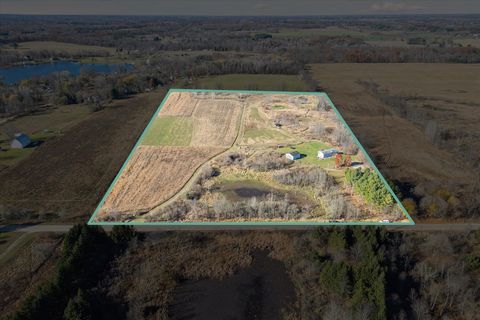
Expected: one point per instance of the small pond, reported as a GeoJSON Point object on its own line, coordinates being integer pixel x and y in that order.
{"type": "Point", "coordinates": [244, 190]}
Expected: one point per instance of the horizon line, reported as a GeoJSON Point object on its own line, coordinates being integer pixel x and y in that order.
{"type": "Point", "coordinates": [246, 16]}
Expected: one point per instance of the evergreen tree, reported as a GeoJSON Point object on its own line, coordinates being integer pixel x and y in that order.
{"type": "Point", "coordinates": [78, 308]}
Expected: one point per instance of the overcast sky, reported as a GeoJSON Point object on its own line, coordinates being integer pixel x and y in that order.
{"type": "Point", "coordinates": [238, 7]}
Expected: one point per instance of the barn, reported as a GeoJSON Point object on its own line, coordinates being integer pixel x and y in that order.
{"type": "Point", "coordinates": [293, 155]}
{"type": "Point", "coordinates": [20, 141]}
{"type": "Point", "coordinates": [326, 153]}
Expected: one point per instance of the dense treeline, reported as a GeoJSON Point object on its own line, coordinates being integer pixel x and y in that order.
{"type": "Point", "coordinates": [12, 57]}
{"type": "Point", "coordinates": [253, 34]}
{"type": "Point", "coordinates": [352, 282]}
{"type": "Point", "coordinates": [97, 89]}
{"type": "Point", "coordinates": [338, 272]}
{"type": "Point", "coordinates": [369, 185]}
{"type": "Point", "coordinates": [355, 273]}
{"type": "Point", "coordinates": [86, 254]}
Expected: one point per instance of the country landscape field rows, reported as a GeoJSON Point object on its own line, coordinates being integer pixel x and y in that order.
{"type": "Point", "coordinates": [220, 156]}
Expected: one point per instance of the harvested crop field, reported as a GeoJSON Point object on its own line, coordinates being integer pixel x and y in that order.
{"type": "Point", "coordinates": [216, 123]}
{"type": "Point", "coordinates": [145, 183]}
{"type": "Point", "coordinates": [178, 104]}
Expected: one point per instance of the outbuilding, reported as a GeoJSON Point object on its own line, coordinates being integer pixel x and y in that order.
{"type": "Point", "coordinates": [20, 141]}
{"type": "Point", "coordinates": [326, 153]}
{"type": "Point", "coordinates": [293, 155]}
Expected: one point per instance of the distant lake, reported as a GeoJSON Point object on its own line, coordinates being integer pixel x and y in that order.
{"type": "Point", "coordinates": [18, 73]}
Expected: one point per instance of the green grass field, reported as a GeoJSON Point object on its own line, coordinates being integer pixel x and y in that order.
{"type": "Point", "coordinates": [309, 152]}
{"type": "Point", "coordinates": [169, 131]}
{"type": "Point", "coordinates": [252, 82]}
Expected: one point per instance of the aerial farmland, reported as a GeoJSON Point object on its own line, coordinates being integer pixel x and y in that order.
{"type": "Point", "coordinates": [248, 157]}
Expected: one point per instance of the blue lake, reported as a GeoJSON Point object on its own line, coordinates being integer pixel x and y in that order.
{"type": "Point", "coordinates": [18, 73]}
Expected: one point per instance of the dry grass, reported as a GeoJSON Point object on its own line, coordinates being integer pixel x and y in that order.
{"type": "Point", "coordinates": [216, 122]}
{"type": "Point", "coordinates": [179, 104]}
{"type": "Point", "coordinates": [153, 175]}
{"type": "Point", "coordinates": [447, 93]}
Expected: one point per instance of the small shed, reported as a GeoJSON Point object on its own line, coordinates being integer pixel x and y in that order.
{"type": "Point", "coordinates": [20, 141]}
{"type": "Point", "coordinates": [326, 153]}
{"type": "Point", "coordinates": [293, 155]}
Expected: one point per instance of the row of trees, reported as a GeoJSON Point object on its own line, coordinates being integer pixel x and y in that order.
{"type": "Point", "coordinates": [368, 184]}
{"type": "Point", "coordinates": [85, 255]}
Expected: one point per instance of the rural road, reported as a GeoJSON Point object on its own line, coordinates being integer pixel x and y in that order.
{"type": "Point", "coordinates": [62, 228]}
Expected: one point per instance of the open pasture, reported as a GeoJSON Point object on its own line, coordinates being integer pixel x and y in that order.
{"type": "Point", "coordinates": [169, 131]}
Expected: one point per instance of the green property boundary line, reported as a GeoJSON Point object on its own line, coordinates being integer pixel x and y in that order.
{"type": "Point", "coordinates": [253, 224]}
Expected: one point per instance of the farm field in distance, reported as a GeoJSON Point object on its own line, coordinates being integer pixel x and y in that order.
{"type": "Point", "coordinates": [40, 127]}
{"type": "Point", "coordinates": [435, 117]}
{"type": "Point", "coordinates": [222, 156]}
{"type": "Point", "coordinates": [281, 82]}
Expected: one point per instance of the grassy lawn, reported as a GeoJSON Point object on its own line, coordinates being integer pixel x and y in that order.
{"type": "Point", "coordinates": [278, 107]}
{"type": "Point", "coordinates": [309, 152]}
{"type": "Point", "coordinates": [40, 126]}
{"type": "Point", "coordinates": [12, 156]}
{"type": "Point", "coordinates": [252, 82]}
{"type": "Point", "coordinates": [169, 131]}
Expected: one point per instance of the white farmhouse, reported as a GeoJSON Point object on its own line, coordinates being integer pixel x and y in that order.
{"type": "Point", "coordinates": [20, 141]}
{"type": "Point", "coordinates": [293, 155]}
{"type": "Point", "coordinates": [326, 153]}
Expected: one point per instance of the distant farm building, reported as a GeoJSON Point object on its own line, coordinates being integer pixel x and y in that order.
{"type": "Point", "coordinates": [293, 155]}
{"type": "Point", "coordinates": [20, 141]}
{"type": "Point", "coordinates": [327, 153]}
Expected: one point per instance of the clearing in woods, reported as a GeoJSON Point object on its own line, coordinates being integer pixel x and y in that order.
{"type": "Point", "coordinates": [220, 157]}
